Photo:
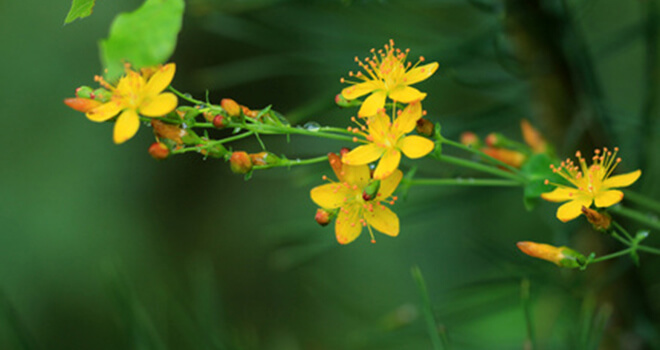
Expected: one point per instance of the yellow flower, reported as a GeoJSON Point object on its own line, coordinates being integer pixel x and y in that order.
{"type": "Point", "coordinates": [589, 184]}
{"type": "Point", "coordinates": [136, 95]}
{"type": "Point", "coordinates": [387, 76]}
{"type": "Point", "coordinates": [357, 208]}
{"type": "Point", "coordinates": [560, 256]}
{"type": "Point", "coordinates": [388, 139]}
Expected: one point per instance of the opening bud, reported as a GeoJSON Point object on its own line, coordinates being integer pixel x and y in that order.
{"type": "Point", "coordinates": [82, 104]}
{"type": "Point", "coordinates": [470, 139]}
{"type": "Point", "coordinates": [533, 137]}
{"type": "Point", "coordinates": [263, 158]}
{"type": "Point", "coordinates": [240, 162]}
{"type": "Point", "coordinates": [371, 191]}
{"type": "Point", "coordinates": [323, 217]}
{"type": "Point", "coordinates": [513, 158]}
{"type": "Point", "coordinates": [600, 221]}
{"type": "Point", "coordinates": [159, 150]}
{"type": "Point", "coordinates": [231, 107]}
{"type": "Point", "coordinates": [425, 127]}
{"type": "Point", "coordinates": [220, 121]}
{"type": "Point", "coordinates": [168, 131]}
{"type": "Point", "coordinates": [560, 256]}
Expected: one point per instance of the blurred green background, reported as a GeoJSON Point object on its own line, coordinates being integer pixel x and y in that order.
{"type": "Point", "coordinates": [102, 247]}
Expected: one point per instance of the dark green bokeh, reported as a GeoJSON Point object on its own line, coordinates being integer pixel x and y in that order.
{"type": "Point", "coordinates": [104, 248]}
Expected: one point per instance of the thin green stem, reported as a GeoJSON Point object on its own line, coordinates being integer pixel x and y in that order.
{"type": "Point", "coordinates": [649, 249]}
{"type": "Point", "coordinates": [186, 96]}
{"type": "Point", "coordinates": [620, 239]}
{"type": "Point", "coordinates": [462, 182]}
{"type": "Point", "coordinates": [480, 153]}
{"type": "Point", "coordinates": [613, 255]}
{"type": "Point", "coordinates": [292, 162]}
{"type": "Point", "coordinates": [480, 167]}
{"type": "Point", "coordinates": [434, 331]}
{"type": "Point", "coordinates": [637, 216]}
{"type": "Point", "coordinates": [527, 309]}
{"type": "Point", "coordinates": [622, 230]}
{"type": "Point", "coordinates": [642, 200]}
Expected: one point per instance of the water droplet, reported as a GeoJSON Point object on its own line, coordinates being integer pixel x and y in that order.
{"type": "Point", "coordinates": [312, 126]}
{"type": "Point", "coordinates": [184, 126]}
{"type": "Point", "coordinates": [187, 95]}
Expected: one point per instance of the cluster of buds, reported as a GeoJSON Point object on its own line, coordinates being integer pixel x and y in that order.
{"type": "Point", "coordinates": [505, 150]}
{"type": "Point", "coordinates": [87, 99]}
{"type": "Point", "coordinates": [560, 256]}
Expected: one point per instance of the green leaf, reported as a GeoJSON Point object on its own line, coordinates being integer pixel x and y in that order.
{"type": "Point", "coordinates": [537, 170]}
{"type": "Point", "coordinates": [145, 37]}
{"type": "Point", "coordinates": [79, 9]}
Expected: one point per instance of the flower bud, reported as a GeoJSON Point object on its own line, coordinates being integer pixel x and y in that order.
{"type": "Point", "coordinates": [342, 102]}
{"type": "Point", "coordinates": [560, 256]}
{"type": "Point", "coordinates": [81, 104]}
{"type": "Point", "coordinates": [231, 107]}
{"type": "Point", "coordinates": [371, 190]}
{"type": "Point", "coordinates": [249, 113]}
{"type": "Point", "coordinates": [240, 162]}
{"type": "Point", "coordinates": [85, 92]}
{"type": "Point", "coordinates": [425, 127]}
{"type": "Point", "coordinates": [533, 137]}
{"type": "Point", "coordinates": [159, 151]}
{"type": "Point", "coordinates": [263, 158]}
{"type": "Point", "coordinates": [336, 164]}
{"type": "Point", "coordinates": [470, 139]}
{"type": "Point", "coordinates": [493, 140]}
{"type": "Point", "coordinates": [322, 216]}
{"type": "Point", "coordinates": [220, 121]}
{"type": "Point", "coordinates": [168, 131]}
{"type": "Point", "coordinates": [600, 221]}
{"type": "Point", "coordinates": [513, 158]}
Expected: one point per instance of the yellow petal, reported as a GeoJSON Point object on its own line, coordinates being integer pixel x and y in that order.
{"type": "Point", "coordinates": [406, 94]}
{"type": "Point", "coordinates": [382, 219]}
{"type": "Point", "coordinates": [420, 73]}
{"type": "Point", "coordinates": [372, 104]}
{"type": "Point", "coordinates": [571, 210]}
{"type": "Point", "coordinates": [356, 175]}
{"type": "Point", "coordinates": [389, 184]}
{"type": "Point", "coordinates": [160, 80]}
{"type": "Point", "coordinates": [330, 196]}
{"type": "Point", "coordinates": [622, 180]}
{"type": "Point", "coordinates": [159, 105]}
{"type": "Point", "coordinates": [347, 225]}
{"type": "Point", "coordinates": [126, 126]}
{"type": "Point", "coordinates": [105, 111]}
{"type": "Point", "coordinates": [407, 120]}
{"type": "Point", "coordinates": [415, 146]}
{"type": "Point", "coordinates": [363, 155]}
{"type": "Point", "coordinates": [379, 126]}
{"type": "Point", "coordinates": [560, 195]}
{"type": "Point", "coordinates": [130, 84]}
{"type": "Point", "coordinates": [387, 164]}
{"type": "Point", "coordinates": [359, 90]}
{"type": "Point", "coordinates": [608, 198]}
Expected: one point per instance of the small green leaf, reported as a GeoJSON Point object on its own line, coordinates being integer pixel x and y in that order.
{"type": "Point", "coordinates": [537, 170]}
{"type": "Point", "coordinates": [79, 9]}
{"type": "Point", "coordinates": [145, 37]}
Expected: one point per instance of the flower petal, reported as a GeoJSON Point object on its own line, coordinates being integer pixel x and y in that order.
{"type": "Point", "coordinates": [356, 175]}
{"type": "Point", "coordinates": [389, 184]}
{"type": "Point", "coordinates": [363, 154]}
{"type": "Point", "coordinates": [379, 126]}
{"type": "Point", "coordinates": [571, 210]}
{"type": "Point", "coordinates": [407, 120]}
{"type": "Point", "coordinates": [347, 225]}
{"type": "Point", "coordinates": [622, 180]}
{"type": "Point", "coordinates": [608, 198]}
{"type": "Point", "coordinates": [105, 111]}
{"type": "Point", "coordinates": [159, 105]}
{"type": "Point", "coordinates": [160, 80]}
{"type": "Point", "coordinates": [330, 196]}
{"type": "Point", "coordinates": [382, 219]}
{"type": "Point", "coordinates": [126, 126]}
{"type": "Point", "coordinates": [387, 164]}
{"type": "Point", "coordinates": [560, 195]}
{"type": "Point", "coordinates": [420, 73]}
{"type": "Point", "coordinates": [372, 104]}
{"type": "Point", "coordinates": [406, 94]}
{"type": "Point", "coordinates": [361, 89]}
{"type": "Point", "coordinates": [415, 146]}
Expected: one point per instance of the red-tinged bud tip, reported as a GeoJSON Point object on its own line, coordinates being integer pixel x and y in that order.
{"type": "Point", "coordinates": [159, 151]}
{"type": "Point", "coordinates": [220, 121]}
{"type": "Point", "coordinates": [425, 127]}
{"type": "Point", "coordinates": [81, 104]}
{"type": "Point", "coordinates": [367, 197]}
{"type": "Point", "coordinates": [492, 140]}
{"type": "Point", "coordinates": [470, 139]}
{"type": "Point", "coordinates": [343, 151]}
{"type": "Point", "coordinates": [322, 217]}
{"type": "Point", "coordinates": [230, 106]}
{"type": "Point", "coordinates": [240, 162]}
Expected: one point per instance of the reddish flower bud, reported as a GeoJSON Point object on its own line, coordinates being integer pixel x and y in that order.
{"type": "Point", "coordinates": [249, 113]}
{"type": "Point", "coordinates": [168, 131]}
{"type": "Point", "coordinates": [560, 256]}
{"type": "Point", "coordinates": [533, 137]}
{"type": "Point", "coordinates": [263, 158]}
{"type": "Point", "coordinates": [493, 140]}
{"type": "Point", "coordinates": [81, 104]}
{"type": "Point", "coordinates": [240, 162]}
{"type": "Point", "coordinates": [343, 151]}
{"type": "Point", "coordinates": [470, 139]}
{"type": "Point", "coordinates": [220, 121]}
{"type": "Point", "coordinates": [159, 150]}
{"type": "Point", "coordinates": [425, 127]}
{"type": "Point", "coordinates": [513, 158]}
{"type": "Point", "coordinates": [600, 221]}
{"type": "Point", "coordinates": [231, 107]}
{"type": "Point", "coordinates": [322, 217]}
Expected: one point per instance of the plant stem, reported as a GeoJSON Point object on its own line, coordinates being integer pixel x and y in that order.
{"type": "Point", "coordinates": [613, 255]}
{"type": "Point", "coordinates": [649, 249]}
{"type": "Point", "coordinates": [432, 327]}
{"type": "Point", "coordinates": [642, 200]}
{"type": "Point", "coordinates": [480, 153]}
{"type": "Point", "coordinates": [462, 182]}
{"type": "Point", "coordinates": [637, 216]}
{"type": "Point", "coordinates": [293, 162]}
{"type": "Point", "coordinates": [480, 167]}
{"type": "Point", "coordinates": [623, 230]}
